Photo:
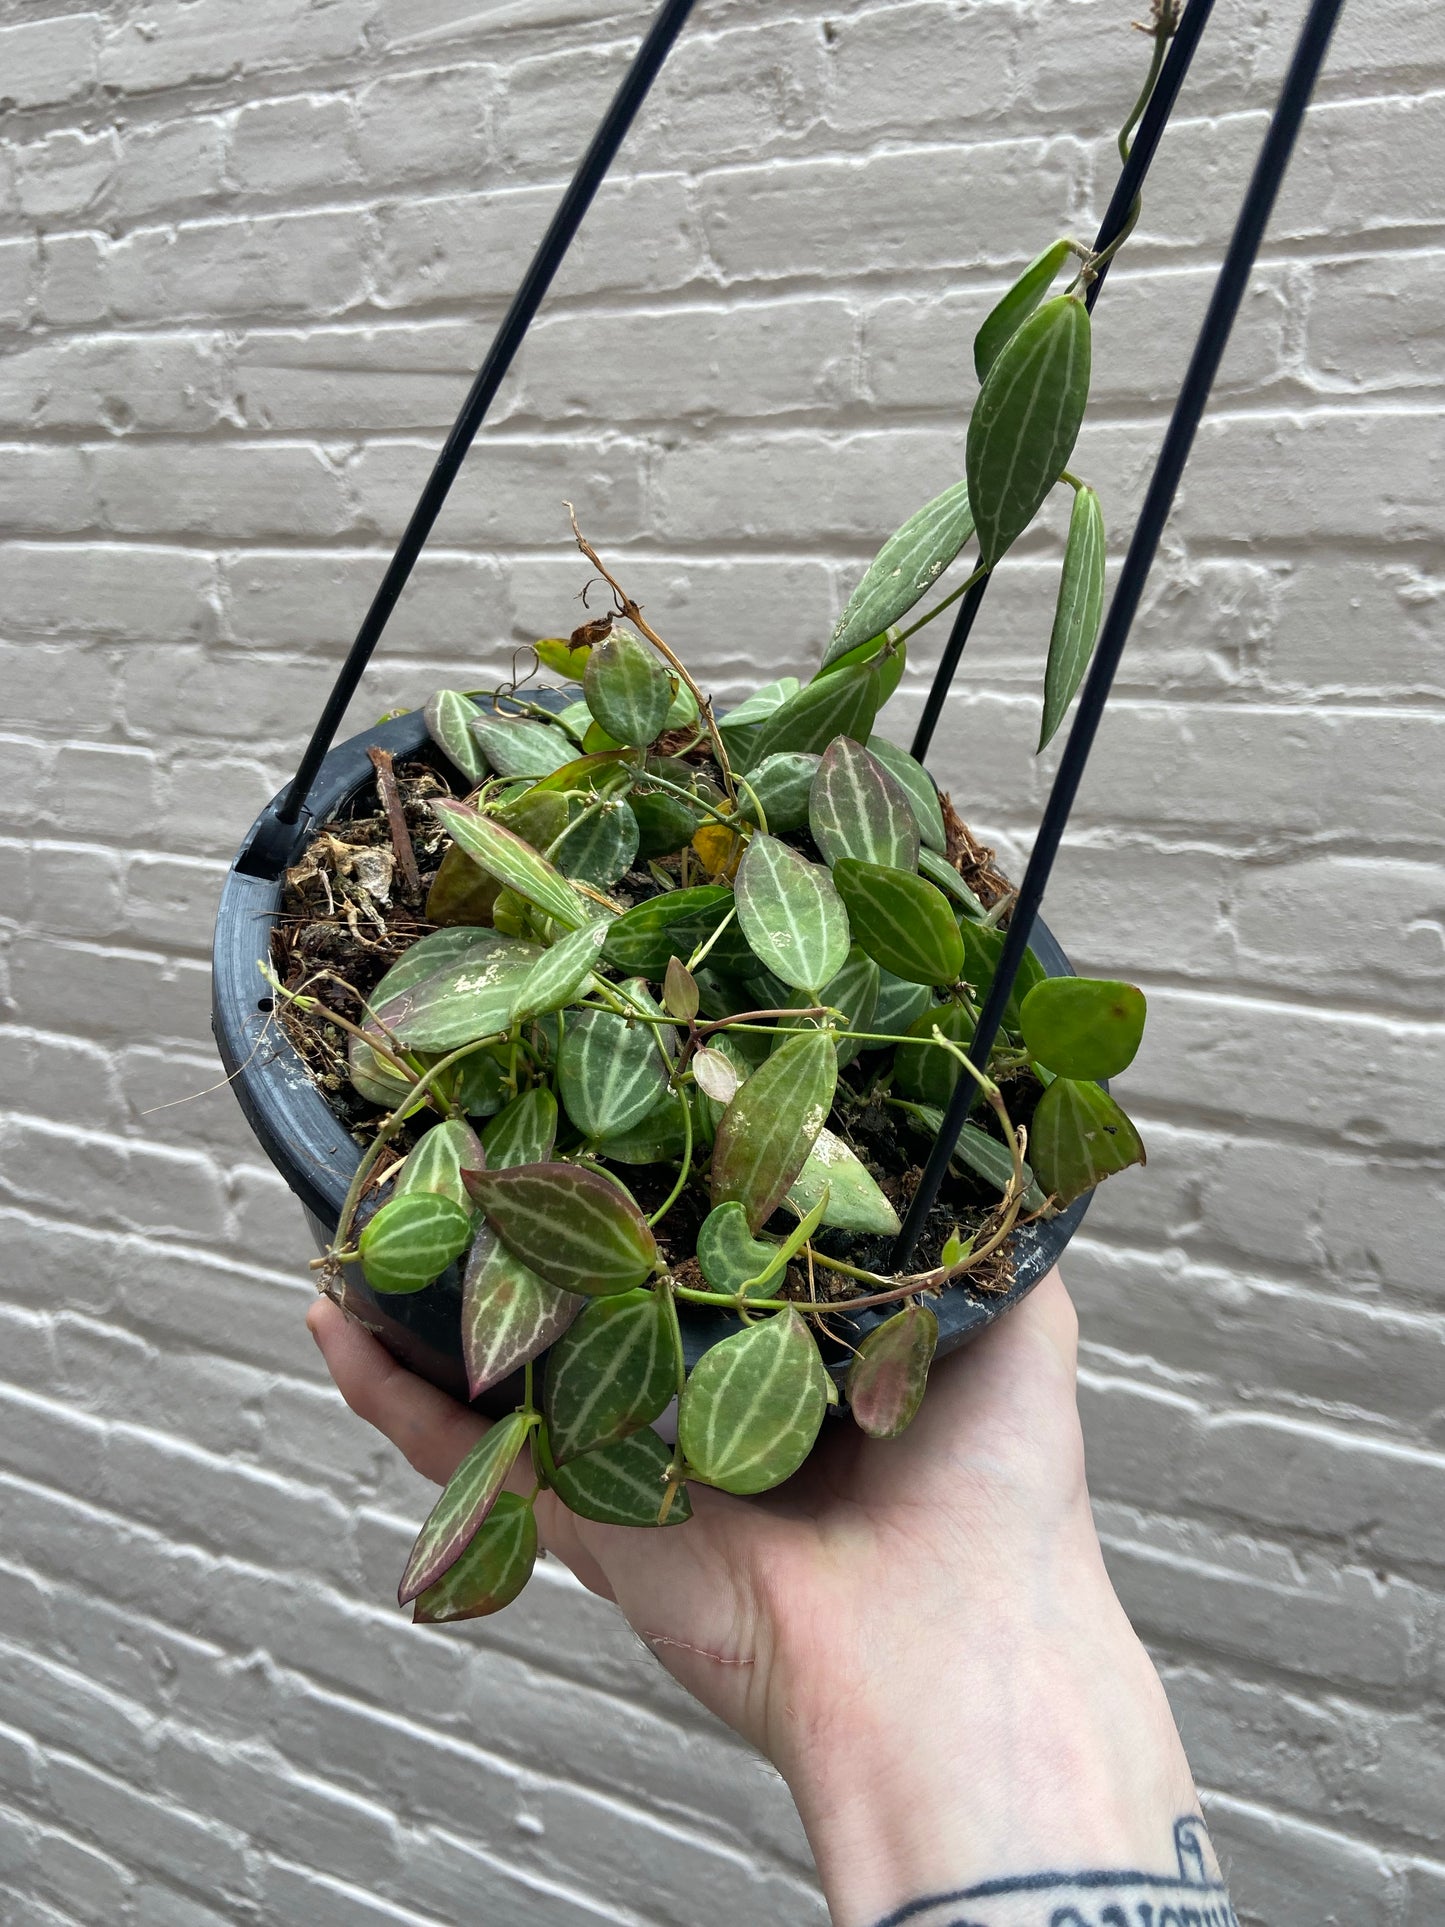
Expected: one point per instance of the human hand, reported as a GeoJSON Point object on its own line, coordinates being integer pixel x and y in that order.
{"type": "Point", "coordinates": [918, 1632]}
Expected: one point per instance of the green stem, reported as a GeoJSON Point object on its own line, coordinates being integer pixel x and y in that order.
{"type": "Point", "coordinates": [651, 778]}
{"type": "Point", "coordinates": [599, 803]}
{"type": "Point", "coordinates": [744, 784]}
{"type": "Point", "coordinates": [676, 1192]}
{"type": "Point", "coordinates": [963, 588]}
{"type": "Point", "coordinates": [701, 952]}
{"type": "Point", "coordinates": [1165, 23]}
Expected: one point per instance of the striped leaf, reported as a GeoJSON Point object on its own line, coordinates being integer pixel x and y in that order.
{"type": "Point", "coordinates": [842, 704]}
{"type": "Point", "coordinates": [923, 1072]}
{"type": "Point", "coordinates": [522, 1133]}
{"type": "Point", "coordinates": [671, 925]}
{"type": "Point", "coordinates": [610, 1073]}
{"type": "Point", "coordinates": [509, 1314]}
{"type": "Point", "coordinates": [374, 1078]}
{"type": "Point", "coordinates": [575, 718]}
{"type": "Point", "coordinates": [790, 914]}
{"type": "Point", "coordinates": [889, 1373]}
{"type": "Point", "coordinates": [602, 847]}
{"type": "Point", "coordinates": [659, 1137]}
{"type": "Point", "coordinates": [478, 1085]}
{"type": "Point", "coordinates": [522, 746]}
{"type": "Point", "coordinates": [469, 1495]}
{"type": "Point", "coordinates": [613, 1372]}
{"type": "Point", "coordinates": [412, 1240]}
{"type": "Point", "coordinates": [1014, 308]}
{"type": "Point", "coordinates": [992, 1161]}
{"type": "Point", "coordinates": [490, 1573]}
{"type": "Point", "coordinates": [854, 992]}
{"type": "Point", "coordinates": [856, 808]}
{"type": "Point", "coordinates": [903, 922]}
{"type": "Point", "coordinates": [515, 863]}
{"type": "Point", "coordinates": [982, 948]}
{"type": "Point", "coordinates": [899, 1004]}
{"type": "Point", "coordinates": [1079, 610]}
{"type": "Point", "coordinates": [574, 1228]}
{"type": "Point", "coordinates": [763, 702]}
{"type": "Point", "coordinates": [449, 717]}
{"type": "Point", "coordinates": [560, 974]}
{"type": "Point", "coordinates": [437, 1163]}
{"type": "Point", "coordinates": [782, 785]}
{"type": "Point", "coordinates": [729, 1254]}
{"type": "Point", "coordinates": [1026, 421]}
{"type": "Point", "coordinates": [904, 569]}
{"type": "Point", "coordinates": [587, 773]}
{"type": "Point", "coordinates": [627, 689]}
{"type": "Point", "coordinates": [940, 871]}
{"type": "Point", "coordinates": [664, 823]}
{"type": "Point", "coordinates": [536, 814]}
{"type": "Point", "coordinates": [621, 1484]}
{"type": "Point", "coordinates": [460, 893]}
{"type": "Point", "coordinates": [430, 954]}
{"type": "Point", "coordinates": [1078, 1138]}
{"type": "Point", "coordinates": [918, 786]}
{"type": "Point", "coordinates": [770, 1126]}
{"type": "Point", "coordinates": [752, 1406]}
{"type": "Point", "coordinates": [1082, 1026]}
{"type": "Point", "coordinates": [835, 1177]}
{"type": "Point", "coordinates": [464, 1001]}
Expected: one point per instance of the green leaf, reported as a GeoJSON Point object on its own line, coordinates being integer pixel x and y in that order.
{"type": "Point", "coordinates": [460, 893]}
{"type": "Point", "coordinates": [753, 1405]}
{"type": "Point", "coordinates": [610, 1073]}
{"type": "Point", "coordinates": [843, 704]}
{"type": "Point", "coordinates": [904, 569]}
{"type": "Point", "coordinates": [837, 1178]}
{"type": "Point", "coordinates": [574, 1228]}
{"type": "Point", "coordinates": [516, 864]}
{"type": "Point", "coordinates": [1015, 307]}
{"type": "Point", "coordinates": [522, 1133]}
{"type": "Point", "coordinates": [664, 823]}
{"type": "Point", "coordinates": [1079, 611]}
{"type": "Point", "coordinates": [621, 1484]}
{"type": "Point", "coordinates": [522, 746]}
{"type": "Point", "coordinates": [430, 954]}
{"type": "Point", "coordinates": [889, 1372]}
{"type": "Point", "coordinates": [509, 1314]}
{"type": "Point", "coordinates": [763, 702]}
{"type": "Point", "coordinates": [1026, 421]}
{"type": "Point", "coordinates": [903, 922]}
{"type": "Point", "coordinates": [538, 815]}
{"type": "Point", "coordinates": [899, 1005]}
{"type": "Point", "coordinates": [683, 711]}
{"type": "Point", "coordinates": [412, 1240]}
{"type": "Point", "coordinates": [790, 913]}
{"type": "Point", "coordinates": [576, 718]}
{"type": "Point", "coordinates": [770, 1126]}
{"type": "Point", "coordinates": [854, 991]}
{"type": "Point", "coordinates": [602, 847]}
{"type": "Point", "coordinates": [918, 786]}
{"type": "Point", "coordinates": [680, 997]}
{"type": "Point", "coordinates": [627, 689]}
{"type": "Point", "coordinates": [469, 1495]}
{"type": "Point", "coordinates": [856, 808]}
{"type": "Point", "coordinates": [922, 1071]}
{"type": "Point", "coordinates": [437, 1163]}
{"type": "Point", "coordinates": [560, 974]}
{"type": "Point", "coordinates": [612, 1373]}
{"type": "Point", "coordinates": [587, 773]}
{"type": "Point", "coordinates": [659, 1137]}
{"type": "Point", "coordinates": [490, 1573]}
{"type": "Point", "coordinates": [983, 947]}
{"type": "Point", "coordinates": [564, 658]}
{"type": "Point", "coordinates": [1078, 1138]}
{"type": "Point", "coordinates": [449, 717]}
{"type": "Point", "coordinates": [463, 1001]}
{"type": "Point", "coordinates": [940, 871]}
{"type": "Point", "coordinates": [374, 1078]}
{"type": "Point", "coordinates": [993, 1162]}
{"type": "Point", "coordinates": [1083, 1026]}
{"type": "Point", "coordinates": [782, 784]}
{"type": "Point", "coordinates": [672, 925]}
{"type": "Point", "coordinates": [729, 1254]}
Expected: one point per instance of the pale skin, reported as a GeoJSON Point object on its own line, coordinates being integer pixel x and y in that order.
{"type": "Point", "coordinates": [919, 1632]}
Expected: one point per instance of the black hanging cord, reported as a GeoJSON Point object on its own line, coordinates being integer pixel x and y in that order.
{"type": "Point", "coordinates": [275, 841]}
{"type": "Point", "coordinates": [1117, 217]}
{"type": "Point", "coordinates": [1224, 305]}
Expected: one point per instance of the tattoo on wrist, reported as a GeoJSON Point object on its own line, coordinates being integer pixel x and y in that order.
{"type": "Point", "coordinates": [1193, 1896]}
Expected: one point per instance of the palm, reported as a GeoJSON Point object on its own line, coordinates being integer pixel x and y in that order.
{"type": "Point", "coordinates": [753, 1594]}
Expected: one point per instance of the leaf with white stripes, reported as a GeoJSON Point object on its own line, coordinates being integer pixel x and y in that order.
{"type": "Point", "coordinates": [1078, 612]}
{"type": "Point", "coordinates": [469, 1495]}
{"type": "Point", "coordinates": [854, 992]}
{"type": "Point", "coordinates": [611, 1373]}
{"type": "Point", "coordinates": [918, 786]}
{"type": "Point", "coordinates": [449, 717]}
{"type": "Point", "coordinates": [1026, 421]}
{"type": "Point", "coordinates": [790, 913]}
{"type": "Point", "coordinates": [610, 1072]}
{"type": "Point", "coordinates": [752, 1406]}
{"type": "Point", "coordinates": [464, 1001]}
{"type": "Point", "coordinates": [490, 1573]}
{"type": "Point", "coordinates": [844, 703]}
{"type": "Point", "coordinates": [621, 1484]}
{"type": "Point", "coordinates": [443, 1153]}
{"type": "Point", "coordinates": [837, 1178]}
{"type": "Point", "coordinates": [460, 944]}
{"type": "Point", "coordinates": [522, 746]}
{"type": "Point", "coordinates": [941, 872]}
{"type": "Point", "coordinates": [903, 922]}
{"type": "Point", "coordinates": [560, 974]}
{"type": "Point", "coordinates": [516, 864]}
{"type": "Point", "coordinates": [780, 786]}
{"type": "Point", "coordinates": [1010, 312]}
{"type": "Point", "coordinates": [1079, 1137]}
{"type": "Point", "coordinates": [627, 689]}
{"type": "Point", "coordinates": [858, 808]}
{"type": "Point", "coordinates": [769, 1127]}
{"type": "Point", "coordinates": [523, 1132]}
{"type": "Point", "coordinates": [575, 1228]}
{"type": "Point", "coordinates": [509, 1314]}
{"type": "Point", "coordinates": [904, 569]}
{"type": "Point", "coordinates": [671, 925]}
{"type": "Point", "coordinates": [601, 847]}
{"type": "Point", "coordinates": [889, 1373]}
{"type": "Point", "coordinates": [412, 1240]}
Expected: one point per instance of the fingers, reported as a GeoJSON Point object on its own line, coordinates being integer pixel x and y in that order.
{"type": "Point", "coordinates": [434, 1431]}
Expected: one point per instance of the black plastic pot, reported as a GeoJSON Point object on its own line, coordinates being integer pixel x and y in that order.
{"type": "Point", "coordinates": [317, 1156]}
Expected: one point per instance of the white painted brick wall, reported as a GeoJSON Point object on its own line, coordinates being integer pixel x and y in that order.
{"type": "Point", "coordinates": [249, 257]}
